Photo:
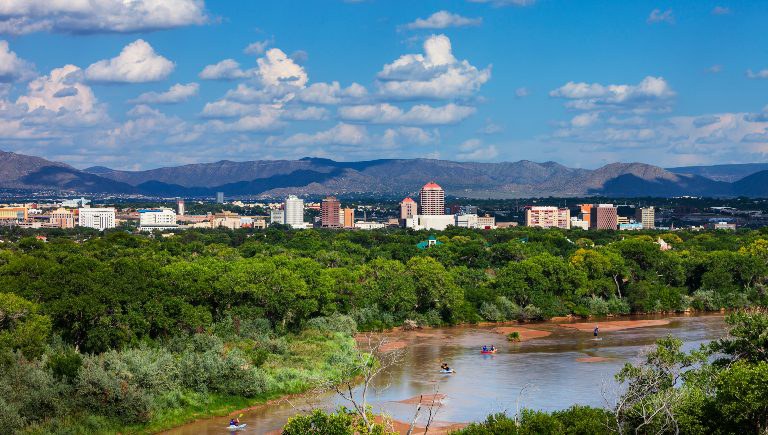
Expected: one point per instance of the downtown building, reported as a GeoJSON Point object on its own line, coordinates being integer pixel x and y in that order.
{"type": "Point", "coordinates": [293, 212]}
{"type": "Point", "coordinates": [647, 217]}
{"type": "Point", "coordinates": [97, 218]}
{"type": "Point", "coordinates": [548, 217]}
{"type": "Point", "coordinates": [432, 199]}
{"type": "Point", "coordinates": [330, 213]}
{"type": "Point", "coordinates": [604, 217]}
{"type": "Point", "coordinates": [157, 219]}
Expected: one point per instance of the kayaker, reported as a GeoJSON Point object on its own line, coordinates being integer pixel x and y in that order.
{"type": "Point", "coordinates": [485, 348]}
{"type": "Point", "coordinates": [234, 422]}
{"type": "Point", "coordinates": [596, 331]}
{"type": "Point", "coordinates": [493, 349]}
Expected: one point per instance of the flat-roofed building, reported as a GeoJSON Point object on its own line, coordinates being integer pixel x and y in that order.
{"type": "Point", "coordinates": [226, 219]}
{"type": "Point", "coordinates": [13, 213]}
{"type": "Point", "coordinates": [604, 217]}
{"type": "Point", "coordinates": [548, 217]}
{"type": "Point", "coordinates": [157, 219]}
{"type": "Point", "coordinates": [62, 218]}
{"type": "Point", "coordinates": [347, 217]}
{"type": "Point", "coordinates": [486, 222]}
{"type": "Point", "coordinates": [408, 209]}
{"type": "Point", "coordinates": [330, 209]}
{"type": "Point", "coordinates": [294, 212]}
{"type": "Point", "coordinates": [97, 218]}
{"type": "Point", "coordinates": [647, 217]}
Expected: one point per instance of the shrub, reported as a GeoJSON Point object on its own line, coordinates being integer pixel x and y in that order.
{"type": "Point", "coordinates": [490, 312]}
{"type": "Point", "coordinates": [10, 420]}
{"type": "Point", "coordinates": [531, 312]}
{"type": "Point", "coordinates": [514, 336]}
{"type": "Point", "coordinates": [598, 306]}
{"type": "Point", "coordinates": [104, 392]}
{"type": "Point", "coordinates": [333, 323]}
{"type": "Point", "coordinates": [618, 306]}
{"type": "Point", "coordinates": [509, 310]}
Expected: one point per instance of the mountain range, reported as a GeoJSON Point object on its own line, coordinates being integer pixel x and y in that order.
{"type": "Point", "coordinates": [387, 177]}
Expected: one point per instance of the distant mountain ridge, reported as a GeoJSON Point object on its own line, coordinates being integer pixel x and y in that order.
{"type": "Point", "coordinates": [386, 177]}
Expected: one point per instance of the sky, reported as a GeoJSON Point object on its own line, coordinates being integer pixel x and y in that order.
{"type": "Point", "coordinates": [142, 84]}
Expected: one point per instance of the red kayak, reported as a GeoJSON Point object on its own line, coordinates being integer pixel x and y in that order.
{"type": "Point", "coordinates": [486, 352]}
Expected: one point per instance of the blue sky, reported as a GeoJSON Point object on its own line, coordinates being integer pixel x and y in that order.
{"type": "Point", "coordinates": [584, 83]}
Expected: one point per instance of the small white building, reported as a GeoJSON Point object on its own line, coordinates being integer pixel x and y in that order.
{"type": "Point", "coordinates": [157, 219]}
{"type": "Point", "coordinates": [361, 225]}
{"type": "Point", "coordinates": [466, 221]}
{"type": "Point", "coordinates": [578, 223]}
{"type": "Point", "coordinates": [437, 222]}
{"type": "Point", "coordinates": [97, 218]}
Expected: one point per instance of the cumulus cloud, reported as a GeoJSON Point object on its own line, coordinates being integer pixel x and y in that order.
{"type": "Point", "coordinates": [757, 117]}
{"type": "Point", "coordinates": [176, 94]}
{"type": "Point", "coordinates": [137, 63]}
{"type": "Point", "coordinates": [436, 74]}
{"type": "Point", "coordinates": [659, 16]}
{"type": "Point", "coordinates": [340, 134]}
{"type": "Point", "coordinates": [762, 74]}
{"type": "Point", "coordinates": [277, 69]}
{"type": "Point", "coordinates": [61, 90]}
{"type": "Point", "coordinates": [652, 93]}
{"type": "Point", "coordinates": [227, 69]}
{"type": "Point", "coordinates": [98, 16]}
{"type": "Point", "coordinates": [258, 47]}
{"type": "Point", "coordinates": [263, 119]}
{"type": "Point", "coordinates": [474, 150]}
{"type": "Point", "coordinates": [442, 20]}
{"type": "Point", "coordinates": [332, 93]}
{"type": "Point", "coordinates": [417, 115]}
{"type": "Point", "coordinates": [12, 67]}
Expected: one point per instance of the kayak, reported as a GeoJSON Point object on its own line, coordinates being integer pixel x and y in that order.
{"type": "Point", "coordinates": [488, 351]}
{"type": "Point", "coordinates": [447, 372]}
{"type": "Point", "coordinates": [237, 427]}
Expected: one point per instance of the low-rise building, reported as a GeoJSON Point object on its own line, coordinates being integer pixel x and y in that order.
{"type": "Point", "coordinates": [13, 214]}
{"type": "Point", "coordinates": [604, 217]}
{"type": "Point", "coordinates": [437, 222]}
{"type": "Point", "coordinates": [160, 219]}
{"type": "Point", "coordinates": [62, 218]}
{"type": "Point", "coordinates": [721, 226]}
{"type": "Point", "coordinates": [226, 219]}
{"type": "Point", "coordinates": [630, 226]}
{"type": "Point", "coordinates": [577, 223]}
{"type": "Point", "coordinates": [466, 220]}
{"type": "Point", "coordinates": [361, 225]}
{"type": "Point", "coordinates": [277, 216]}
{"type": "Point", "coordinates": [486, 222]}
{"type": "Point", "coordinates": [97, 218]}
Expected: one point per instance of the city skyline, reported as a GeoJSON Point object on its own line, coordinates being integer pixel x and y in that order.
{"type": "Point", "coordinates": [150, 84]}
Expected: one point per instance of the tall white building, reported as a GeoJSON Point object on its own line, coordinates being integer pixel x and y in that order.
{"type": "Point", "coordinates": [98, 218]}
{"type": "Point", "coordinates": [180, 207]}
{"type": "Point", "coordinates": [157, 219]}
{"type": "Point", "coordinates": [294, 211]}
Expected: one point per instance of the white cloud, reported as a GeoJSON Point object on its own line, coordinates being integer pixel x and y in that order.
{"type": "Point", "coordinates": [61, 90]}
{"type": "Point", "coordinates": [136, 63]}
{"type": "Point", "coordinates": [659, 16]}
{"type": "Point", "coordinates": [176, 94]}
{"type": "Point", "coordinates": [340, 134]}
{"type": "Point", "coordinates": [12, 67]}
{"type": "Point", "coordinates": [266, 119]}
{"type": "Point", "coordinates": [277, 69]}
{"type": "Point", "coordinates": [721, 10]}
{"type": "Point", "coordinates": [522, 92]}
{"type": "Point", "coordinates": [474, 150]}
{"type": "Point", "coordinates": [443, 20]}
{"type": "Point", "coordinates": [757, 117]}
{"type": "Point", "coordinates": [762, 74]}
{"type": "Point", "coordinates": [146, 128]}
{"type": "Point", "coordinates": [227, 69]}
{"type": "Point", "coordinates": [652, 93]}
{"type": "Point", "coordinates": [417, 115]}
{"type": "Point", "coordinates": [584, 119]}
{"type": "Point", "coordinates": [715, 69]}
{"type": "Point", "coordinates": [436, 74]}
{"type": "Point", "coordinates": [94, 16]}
{"type": "Point", "coordinates": [258, 47]}
{"type": "Point", "coordinates": [332, 93]}
{"type": "Point", "coordinates": [491, 127]}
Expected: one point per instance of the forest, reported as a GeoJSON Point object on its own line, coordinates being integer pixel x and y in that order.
{"type": "Point", "coordinates": [118, 332]}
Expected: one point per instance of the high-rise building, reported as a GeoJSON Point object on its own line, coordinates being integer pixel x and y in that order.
{"type": "Point", "coordinates": [432, 199]}
{"type": "Point", "coordinates": [408, 209]}
{"type": "Point", "coordinates": [294, 211]}
{"type": "Point", "coordinates": [157, 219]}
{"type": "Point", "coordinates": [98, 218]}
{"type": "Point", "coordinates": [330, 209]}
{"type": "Point", "coordinates": [347, 218]}
{"type": "Point", "coordinates": [604, 217]}
{"type": "Point", "coordinates": [220, 197]}
{"type": "Point", "coordinates": [180, 210]}
{"type": "Point", "coordinates": [647, 217]}
{"type": "Point", "coordinates": [62, 218]}
{"type": "Point", "coordinates": [277, 216]}
{"type": "Point", "coordinates": [548, 217]}
{"type": "Point", "coordinates": [585, 211]}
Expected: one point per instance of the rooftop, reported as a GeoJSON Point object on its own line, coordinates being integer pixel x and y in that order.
{"type": "Point", "coordinates": [431, 185]}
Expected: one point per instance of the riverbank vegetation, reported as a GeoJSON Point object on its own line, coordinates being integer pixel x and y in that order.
{"type": "Point", "coordinates": [138, 332]}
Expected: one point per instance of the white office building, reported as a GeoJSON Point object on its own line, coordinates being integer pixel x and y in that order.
{"type": "Point", "coordinates": [157, 219]}
{"type": "Point", "coordinates": [277, 216]}
{"type": "Point", "coordinates": [437, 222]}
{"type": "Point", "coordinates": [466, 221]}
{"type": "Point", "coordinates": [98, 218]}
{"type": "Point", "coordinates": [294, 212]}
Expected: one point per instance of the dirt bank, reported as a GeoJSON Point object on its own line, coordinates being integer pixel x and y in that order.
{"type": "Point", "coordinates": [525, 333]}
{"type": "Point", "coordinates": [593, 359]}
{"type": "Point", "coordinates": [426, 399]}
{"type": "Point", "coordinates": [614, 325]}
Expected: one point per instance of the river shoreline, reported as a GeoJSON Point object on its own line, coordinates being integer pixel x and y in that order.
{"type": "Point", "coordinates": [404, 338]}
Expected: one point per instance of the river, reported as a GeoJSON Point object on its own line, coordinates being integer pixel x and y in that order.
{"type": "Point", "coordinates": [547, 373]}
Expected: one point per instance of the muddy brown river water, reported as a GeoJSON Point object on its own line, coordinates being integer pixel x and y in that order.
{"type": "Point", "coordinates": [548, 373]}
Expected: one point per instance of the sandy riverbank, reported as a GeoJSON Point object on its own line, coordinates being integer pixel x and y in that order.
{"type": "Point", "coordinates": [614, 325]}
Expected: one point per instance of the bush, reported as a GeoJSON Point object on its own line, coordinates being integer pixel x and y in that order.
{"type": "Point", "coordinates": [490, 312]}
{"type": "Point", "coordinates": [598, 306]}
{"type": "Point", "coordinates": [341, 422]}
{"type": "Point", "coordinates": [514, 336]}
{"type": "Point", "coordinates": [104, 392]}
{"type": "Point", "coordinates": [333, 323]}
{"type": "Point", "coordinates": [29, 388]}
{"type": "Point", "coordinates": [372, 319]}
{"type": "Point", "coordinates": [10, 419]}
{"type": "Point", "coordinates": [531, 312]}
{"type": "Point", "coordinates": [618, 306]}
{"type": "Point", "coordinates": [509, 310]}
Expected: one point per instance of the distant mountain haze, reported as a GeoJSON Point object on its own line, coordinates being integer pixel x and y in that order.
{"type": "Point", "coordinates": [388, 177]}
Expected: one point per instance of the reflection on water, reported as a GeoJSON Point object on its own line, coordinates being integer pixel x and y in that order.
{"type": "Point", "coordinates": [542, 373]}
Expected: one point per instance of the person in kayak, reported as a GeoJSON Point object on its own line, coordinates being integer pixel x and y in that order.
{"type": "Point", "coordinates": [596, 331]}
{"type": "Point", "coordinates": [234, 422]}
{"type": "Point", "coordinates": [444, 367]}
{"type": "Point", "coordinates": [485, 348]}
{"type": "Point", "coordinates": [492, 349]}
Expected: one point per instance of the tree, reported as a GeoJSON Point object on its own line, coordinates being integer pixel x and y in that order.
{"type": "Point", "coordinates": [21, 327]}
